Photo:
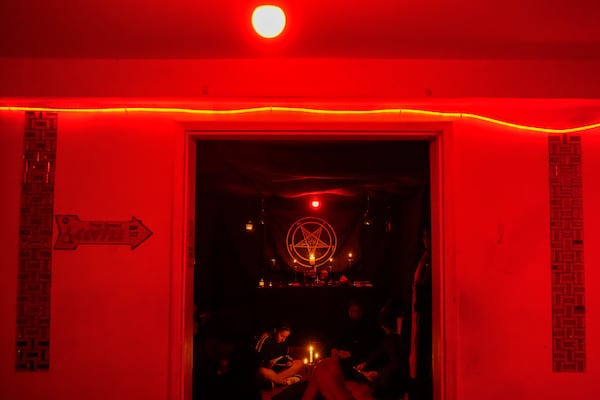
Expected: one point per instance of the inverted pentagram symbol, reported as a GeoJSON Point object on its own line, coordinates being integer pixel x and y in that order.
{"type": "Point", "coordinates": [311, 242]}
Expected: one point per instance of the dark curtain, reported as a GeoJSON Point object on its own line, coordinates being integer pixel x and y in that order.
{"type": "Point", "coordinates": [271, 183]}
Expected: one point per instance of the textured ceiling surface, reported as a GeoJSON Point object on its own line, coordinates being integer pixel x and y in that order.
{"type": "Point", "coordinates": [294, 169]}
{"type": "Point", "coordinates": [164, 29]}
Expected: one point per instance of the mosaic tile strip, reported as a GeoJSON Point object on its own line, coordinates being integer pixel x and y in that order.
{"type": "Point", "coordinates": [566, 243]}
{"type": "Point", "coordinates": [35, 243]}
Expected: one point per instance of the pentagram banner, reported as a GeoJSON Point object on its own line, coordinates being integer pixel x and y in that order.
{"type": "Point", "coordinates": [302, 238]}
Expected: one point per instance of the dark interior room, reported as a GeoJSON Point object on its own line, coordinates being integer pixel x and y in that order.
{"type": "Point", "coordinates": [296, 230]}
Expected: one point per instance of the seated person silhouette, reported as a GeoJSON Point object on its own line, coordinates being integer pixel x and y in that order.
{"type": "Point", "coordinates": [240, 382]}
{"type": "Point", "coordinates": [385, 370]}
{"type": "Point", "coordinates": [387, 366]}
{"type": "Point", "coordinates": [357, 336]}
{"type": "Point", "coordinates": [276, 365]}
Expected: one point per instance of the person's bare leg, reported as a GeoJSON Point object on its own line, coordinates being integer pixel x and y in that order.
{"type": "Point", "coordinates": [294, 369]}
{"type": "Point", "coordinates": [280, 378]}
{"type": "Point", "coordinates": [328, 380]}
{"type": "Point", "coordinates": [334, 386]}
{"type": "Point", "coordinates": [271, 375]}
{"type": "Point", "coordinates": [312, 390]}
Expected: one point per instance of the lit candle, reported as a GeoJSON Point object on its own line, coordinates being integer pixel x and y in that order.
{"type": "Point", "coordinates": [312, 259]}
{"type": "Point", "coordinates": [316, 356]}
{"type": "Point", "coordinates": [310, 354]}
{"type": "Point", "coordinates": [306, 361]}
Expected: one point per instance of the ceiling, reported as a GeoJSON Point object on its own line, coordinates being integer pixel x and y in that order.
{"type": "Point", "coordinates": [170, 29]}
{"type": "Point", "coordinates": [294, 169]}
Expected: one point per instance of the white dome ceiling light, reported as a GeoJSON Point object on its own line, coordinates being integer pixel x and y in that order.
{"type": "Point", "coordinates": [268, 21]}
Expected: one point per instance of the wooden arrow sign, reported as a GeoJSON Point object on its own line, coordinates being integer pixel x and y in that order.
{"type": "Point", "coordinates": [72, 232]}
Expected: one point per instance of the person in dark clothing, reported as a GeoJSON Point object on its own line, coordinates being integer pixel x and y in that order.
{"type": "Point", "coordinates": [241, 379]}
{"type": "Point", "coordinates": [386, 369]}
{"type": "Point", "coordinates": [357, 336]}
{"type": "Point", "coordinates": [276, 365]}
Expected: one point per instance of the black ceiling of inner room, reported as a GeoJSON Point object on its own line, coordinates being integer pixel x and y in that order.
{"type": "Point", "coordinates": [297, 168]}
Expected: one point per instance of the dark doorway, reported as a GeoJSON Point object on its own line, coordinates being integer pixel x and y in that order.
{"type": "Point", "coordinates": [254, 196]}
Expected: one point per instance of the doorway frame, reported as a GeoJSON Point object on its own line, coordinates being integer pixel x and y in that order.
{"type": "Point", "coordinates": [444, 312]}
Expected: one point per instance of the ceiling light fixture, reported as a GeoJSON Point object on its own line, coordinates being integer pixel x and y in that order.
{"type": "Point", "coordinates": [268, 21]}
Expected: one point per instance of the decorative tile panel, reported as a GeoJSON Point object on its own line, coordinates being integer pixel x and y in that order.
{"type": "Point", "coordinates": [566, 243]}
{"type": "Point", "coordinates": [35, 243]}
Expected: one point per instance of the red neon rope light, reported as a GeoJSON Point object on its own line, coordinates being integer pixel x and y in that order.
{"type": "Point", "coordinates": [401, 111]}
